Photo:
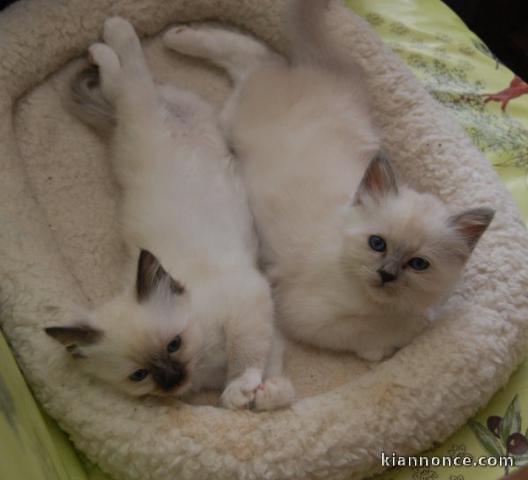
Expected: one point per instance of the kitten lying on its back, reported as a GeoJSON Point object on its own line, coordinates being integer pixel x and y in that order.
{"type": "Point", "coordinates": [198, 315]}
{"type": "Point", "coordinates": [357, 259]}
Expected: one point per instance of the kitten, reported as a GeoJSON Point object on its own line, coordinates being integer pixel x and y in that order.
{"type": "Point", "coordinates": [358, 260]}
{"type": "Point", "coordinates": [198, 314]}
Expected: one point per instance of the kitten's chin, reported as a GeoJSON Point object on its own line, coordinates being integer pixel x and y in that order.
{"type": "Point", "coordinates": [175, 393]}
{"type": "Point", "coordinates": [396, 298]}
{"type": "Point", "coordinates": [382, 294]}
{"type": "Point", "coordinates": [182, 390]}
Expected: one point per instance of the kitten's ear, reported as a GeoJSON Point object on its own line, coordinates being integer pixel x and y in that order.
{"type": "Point", "coordinates": [151, 276]}
{"type": "Point", "coordinates": [471, 224]}
{"type": "Point", "coordinates": [75, 337]}
{"type": "Point", "coordinates": [378, 181]}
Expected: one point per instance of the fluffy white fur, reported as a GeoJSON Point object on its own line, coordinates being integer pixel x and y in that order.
{"type": "Point", "coordinates": [319, 188]}
{"type": "Point", "coordinates": [457, 365]}
{"type": "Point", "coordinates": [182, 201]}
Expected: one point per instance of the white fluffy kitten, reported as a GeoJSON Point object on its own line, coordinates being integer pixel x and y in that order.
{"type": "Point", "coordinates": [198, 314]}
{"type": "Point", "coordinates": [356, 258]}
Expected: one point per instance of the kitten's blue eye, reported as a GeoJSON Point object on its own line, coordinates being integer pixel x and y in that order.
{"type": "Point", "coordinates": [139, 375]}
{"type": "Point", "coordinates": [377, 243]}
{"type": "Point", "coordinates": [175, 345]}
{"type": "Point", "coordinates": [418, 263]}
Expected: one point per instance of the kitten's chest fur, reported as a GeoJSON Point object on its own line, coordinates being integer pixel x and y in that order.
{"type": "Point", "coordinates": [318, 304]}
{"type": "Point", "coordinates": [321, 316]}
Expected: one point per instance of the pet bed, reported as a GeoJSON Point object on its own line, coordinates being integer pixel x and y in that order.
{"type": "Point", "coordinates": [60, 248]}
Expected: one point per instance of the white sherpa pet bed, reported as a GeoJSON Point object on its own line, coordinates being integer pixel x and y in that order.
{"type": "Point", "coordinates": [59, 247]}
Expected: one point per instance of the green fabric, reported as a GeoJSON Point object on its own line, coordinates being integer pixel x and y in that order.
{"type": "Point", "coordinates": [32, 447]}
{"type": "Point", "coordinates": [459, 71]}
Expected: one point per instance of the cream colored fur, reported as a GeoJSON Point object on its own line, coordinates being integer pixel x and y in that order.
{"type": "Point", "coordinates": [304, 136]}
{"type": "Point", "coordinates": [60, 247]}
{"type": "Point", "coordinates": [182, 200]}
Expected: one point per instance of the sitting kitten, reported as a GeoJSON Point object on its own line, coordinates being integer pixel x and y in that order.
{"type": "Point", "coordinates": [357, 259]}
{"type": "Point", "coordinates": [198, 314]}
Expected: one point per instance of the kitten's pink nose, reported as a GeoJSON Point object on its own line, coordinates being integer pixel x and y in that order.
{"type": "Point", "coordinates": [386, 277]}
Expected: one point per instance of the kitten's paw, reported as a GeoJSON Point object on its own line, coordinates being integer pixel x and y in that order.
{"type": "Point", "coordinates": [240, 393]}
{"type": "Point", "coordinates": [190, 40]}
{"type": "Point", "coordinates": [275, 392]}
{"type": "Point", "coordinates": [180, 38]}
{"type": "Point", "coordinates": [376, 354]}
{"type": "Point", "coordinates": [120, 35]}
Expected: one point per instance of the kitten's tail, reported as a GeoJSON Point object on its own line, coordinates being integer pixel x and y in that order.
{"type": "Point", "coordinates": [311, 42]}
{"type": "Point", "coordinates": [87, 103]}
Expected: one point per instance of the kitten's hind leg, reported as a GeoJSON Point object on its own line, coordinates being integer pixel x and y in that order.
{"type": "Point", "coordinates": [122, 64]}
{"type": "Point", "coordinates": [109, 67]}
{"type": "Point", "coordinates": [137, 97]}
{"type": "Point", "coordinates": [100, 97]}
{"type": "Point", "coordinates": [121, 37]}
{"type": "Point", "coordinates": [128, 85]}
{"type": "Point", "coordinates": [235, 52]}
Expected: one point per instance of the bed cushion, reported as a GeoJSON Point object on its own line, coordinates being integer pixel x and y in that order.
{"type": "Point", "coordinates": [59, 247]}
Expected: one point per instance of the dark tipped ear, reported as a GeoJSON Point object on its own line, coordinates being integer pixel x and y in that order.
{"type": "Point", "coordinates": [75, 336]}
{"type": "Point", "coordinates": [471, 224]}
{"type": "Point", "coordinates": [151, 276]}
{"type": "Point", "coordinates": [378, 181]}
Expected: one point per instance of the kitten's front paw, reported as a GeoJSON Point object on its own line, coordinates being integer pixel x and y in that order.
{"type": "Point", "coordinates": [376, 354]}
{"type": "Point", "coordinates": [275, 392]}
{"type": "Point", "coordinates": [240, 393]}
